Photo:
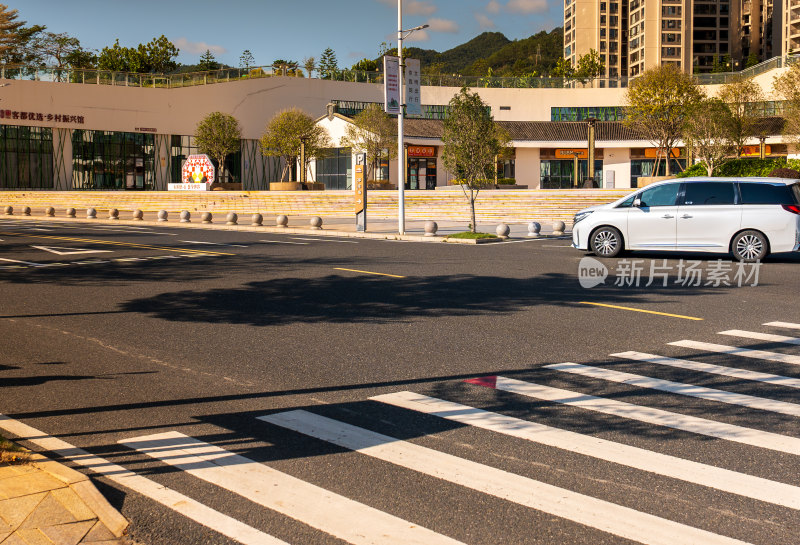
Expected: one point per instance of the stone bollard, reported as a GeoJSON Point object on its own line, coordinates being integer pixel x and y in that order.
{"type": "Point", "coordinates": [534, 229]}
{"type": "Point", "coordinates": [50, 211]}
{"type": "Point", "coordinates": [91, 213]}
{"type": "Point", "coordinates": [315, 222]}
{"type": "Point", "coordinates": [502, 230]}
{"type": "Point", "coordinates": [71, 212]}
{"type": "Point", "coordinates": [207, 217]}
{"type": "Point", "coordinates": [257, 220]}
{"type": "Point", "coordinates": [186, 216]}
{"type": "Point", "coordinates": [113, 214]}
{"type": "Point", "coordinates": [163, 215]}
{"type": "Point", "coordinates": [9, 210]}
{"type": "Point", "coordinates": [282, 221]}
{"type": "Point", "coordinates": [26, 210]}
{"type": "Point", "coordinates": [558, 228]}
{"type": "Point", "coordinates": [138, 215]}
{"type": "Point", "coordinates": [232, 218]}
{"type": "Point", "coordinates": [430, 228]}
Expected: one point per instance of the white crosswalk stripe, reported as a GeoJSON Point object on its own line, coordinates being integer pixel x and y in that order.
{"type": "Point", "coordinates": [692, 390]}
{"type": "Point", "coordinates": [334, 514]}
{"type": "Point", "coordinates": [789, 382]}
{"type": "Point", "coordinates": [736, 351]}
{"type": "Point", "coordinates": [608, 517]}
{"type": "Point", "coordinates": [761, 336]}
{"type": "Point", "coordinates": [653, 462]}
{"type": "Point", "coordinates": [786, 325]}
{"type": "Point", "coordinates": [659, 417]}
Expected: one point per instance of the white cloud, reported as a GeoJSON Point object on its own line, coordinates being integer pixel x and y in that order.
{"type": "Point", "coordinates": [412, 7]}
{"type": "Point", "coordinates": [418, 36]}
{"type": "Point", "coordinates": [493, 7]}
{"type": "Point", "coordinates": [527, 6]}
{"type": "Point", "coordinates": [484, 21]}
{"type": "Point", "coordinates": [443, 25]}
{"type": "Point", "coordinates": [198, 48]}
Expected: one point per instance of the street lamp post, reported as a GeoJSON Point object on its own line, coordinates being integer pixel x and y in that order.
{"type": "Point", "coordinates": [401, 163]}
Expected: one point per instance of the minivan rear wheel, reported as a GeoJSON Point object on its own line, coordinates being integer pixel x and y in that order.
{"type": "Point", "coordinates": [606, 242]}
{"type": "Point", "coordinates": [750, 246]}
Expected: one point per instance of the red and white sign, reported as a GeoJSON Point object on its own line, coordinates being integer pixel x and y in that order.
{"type": "Point", "coordinates": [198, 169]}
{"type": "Point", "coordinates": [391, 85]}
{"type": "Point", "coordinates": [421, 151]}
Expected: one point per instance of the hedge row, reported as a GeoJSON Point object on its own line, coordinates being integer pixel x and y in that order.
{"type": "Point", "coordinates": [750, 166]}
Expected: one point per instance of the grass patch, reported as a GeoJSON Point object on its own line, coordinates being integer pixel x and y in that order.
{"type": "Point", "coordinates": [471, 235]}
{"type": "Point", "coordinates": [11, 453]}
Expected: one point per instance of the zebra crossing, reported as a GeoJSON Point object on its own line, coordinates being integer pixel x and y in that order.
{"type": "Point", "coordinates": [378, 438]}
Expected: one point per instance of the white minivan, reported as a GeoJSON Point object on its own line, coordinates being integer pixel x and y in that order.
{"type": "Point", "coordinates": [748, 217]}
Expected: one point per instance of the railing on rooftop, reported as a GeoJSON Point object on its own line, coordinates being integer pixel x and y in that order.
{"type": "Point", "coordinates": [190, 79]}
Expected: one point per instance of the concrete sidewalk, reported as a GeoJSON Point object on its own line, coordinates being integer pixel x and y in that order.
{"type": "Point", "coordinates": [43, 502]}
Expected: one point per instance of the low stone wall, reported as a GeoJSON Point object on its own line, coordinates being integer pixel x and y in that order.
{"type": "Point", "coordinates": [509, 206]}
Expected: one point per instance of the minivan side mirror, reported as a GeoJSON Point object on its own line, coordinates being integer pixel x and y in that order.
{"type": "Point", "coordinates": [637, 202]}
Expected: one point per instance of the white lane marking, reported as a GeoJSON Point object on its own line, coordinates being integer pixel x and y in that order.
{"type": "Point", "coordinates": [602, 515]}
{"type": "Point", "coordinates": [735, 350]}
{"type": "Point", "coordinates": [761, 336]}
{"type": "Point", "coordinates": [619, 453]}
{"type": "Point", "coordinates": [326, 240]}
{"type": "Point", "coordinates": [789, 382]}
{"type": "Point", "coordinates": [23, 262]}
{"type": "Point", "coordinates": [691, 390]}
{"type": "Point", "coordinates": [658, 417]}
{"type": "Point", "coordinates": [176, 501]}
{"type": "Point", "coordinates": [285, 242]}
{"type": "Point", "coordinates": [126, 259]}
{"type": "Point", "coordinates": [334, 514]}
{"type": "Point", "coordinates": [212, 243]}
{"type": "Point", "coordinates": [787, 325]}
{"type": "Point", "coordinates": [60, 250]}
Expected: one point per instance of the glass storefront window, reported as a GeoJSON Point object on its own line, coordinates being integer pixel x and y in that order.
{"type": "Point", "coordinates": [335, 170]}
{"type": "Point", "coordinates": [644, 167]}
{"type": "Point", "coordinates": [559, 173]}
{"type": "Point", "coordinates": [183, 146]}
{"type": "Point", "coordinates": [26, 157]}
{"type": "Point", "coordinates": [112, 160]}
{"type": "Point", "coordinates": [421, 173]}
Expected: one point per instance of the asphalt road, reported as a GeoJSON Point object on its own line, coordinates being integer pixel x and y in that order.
{"type": "Point", "coordinates": [183, 357]}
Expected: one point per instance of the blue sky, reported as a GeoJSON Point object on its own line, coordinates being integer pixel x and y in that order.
{"type": "Point", "coordinates": [292, 30]}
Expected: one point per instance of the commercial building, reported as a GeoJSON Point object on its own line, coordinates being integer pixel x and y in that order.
{"type": "Point", "coordinates": [132, 132]}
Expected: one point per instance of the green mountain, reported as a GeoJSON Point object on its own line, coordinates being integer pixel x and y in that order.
{"type": "Point", "coordinates": [505, 57]}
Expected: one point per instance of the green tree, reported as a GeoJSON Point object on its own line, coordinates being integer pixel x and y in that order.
{"type": "Point", "coordinates": [742, 95]}
{"type": "Point", "coordinates": [752, 60]}
{"type": "Point", "coordinates": [218, 135]}
{"type": "Point", "coordinates": [157, 56]}
{"type": "Point", "coordinates": [310, 64]}
{"type": "Point", "coordinates": [328, 65]}
{"type": "Point", "coordinates": [246, 60]}
{"type": "Point", "coordinates": [471, 142]}
{"type": "Point", "coordinates": [366, 65]}
{"type": "Point", "coordinates": [208, 62]}
{"type": "Point", "coordinates": [707, 129]}
{"type": "Point", "coordinates": [657, 104]}
{"type": "Point", "coordinates": [787, 86]}
{"type": "Point", "coordinates": [287, 131]}
{"type": "Point", "coordinates": [563, 69]}
{"type": "Point", "coordinates": [590, 66]}
{"type": "Point", "coordinates": [288, 68]}
{"type": "Point", "coordinates": [160, 54]}
{"type": "Point", "coordinates": [9, 30]}
{"type": "Point", "coordinates": [372, 132]}
{"type": "Point", "coordinates": [24, 51]}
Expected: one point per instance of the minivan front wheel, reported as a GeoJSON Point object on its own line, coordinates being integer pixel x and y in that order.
{"type": "Point", "coordinates": [750, 246]}
{"type": "Point", "coordinates": [606, 242]}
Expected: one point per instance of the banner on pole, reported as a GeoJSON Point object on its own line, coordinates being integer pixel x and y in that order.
{"type": "Point", "coordinates": [413, 96]}
{"type": "Point", "coordinates": [391, 84]}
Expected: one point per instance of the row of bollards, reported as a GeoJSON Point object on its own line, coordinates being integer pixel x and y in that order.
{"type": "Point", "coordinates": [431, 227]}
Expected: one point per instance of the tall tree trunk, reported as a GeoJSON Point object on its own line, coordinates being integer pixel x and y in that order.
{"type": "Point", "coordinates": [472, 209]}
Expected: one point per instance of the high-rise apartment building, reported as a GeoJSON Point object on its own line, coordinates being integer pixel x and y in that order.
{"type": "Point", "coordinates": [694, 35]}
{"type": "Point", "coordinates": [790, 24]}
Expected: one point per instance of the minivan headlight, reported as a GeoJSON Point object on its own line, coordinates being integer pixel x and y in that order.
{"type": "Point", "coordinates": [581, 216]}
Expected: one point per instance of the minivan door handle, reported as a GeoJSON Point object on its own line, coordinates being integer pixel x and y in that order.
{"type": "Point", "coordinates": [686, 216]}
{"type": "Point", "coordinates": [667, 216]}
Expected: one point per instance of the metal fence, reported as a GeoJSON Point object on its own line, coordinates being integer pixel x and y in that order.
{"type": "Point", "coordinates": [169, 81]}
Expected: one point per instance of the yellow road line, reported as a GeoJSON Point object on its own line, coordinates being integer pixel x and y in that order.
{"type": "Point", "coordinates": [641, 310]}
{"type": "Point", "coordinates": [130, 244]}
{"type": "Point", "coordinates": [368, 272]}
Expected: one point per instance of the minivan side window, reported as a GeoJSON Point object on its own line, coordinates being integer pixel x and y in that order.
{"type": "Point", "coordinates": [753, 193]}
{"type": "Point", "coordinates": [662, 195]}
{"type": "Point", "coordinates": [709, 193]}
